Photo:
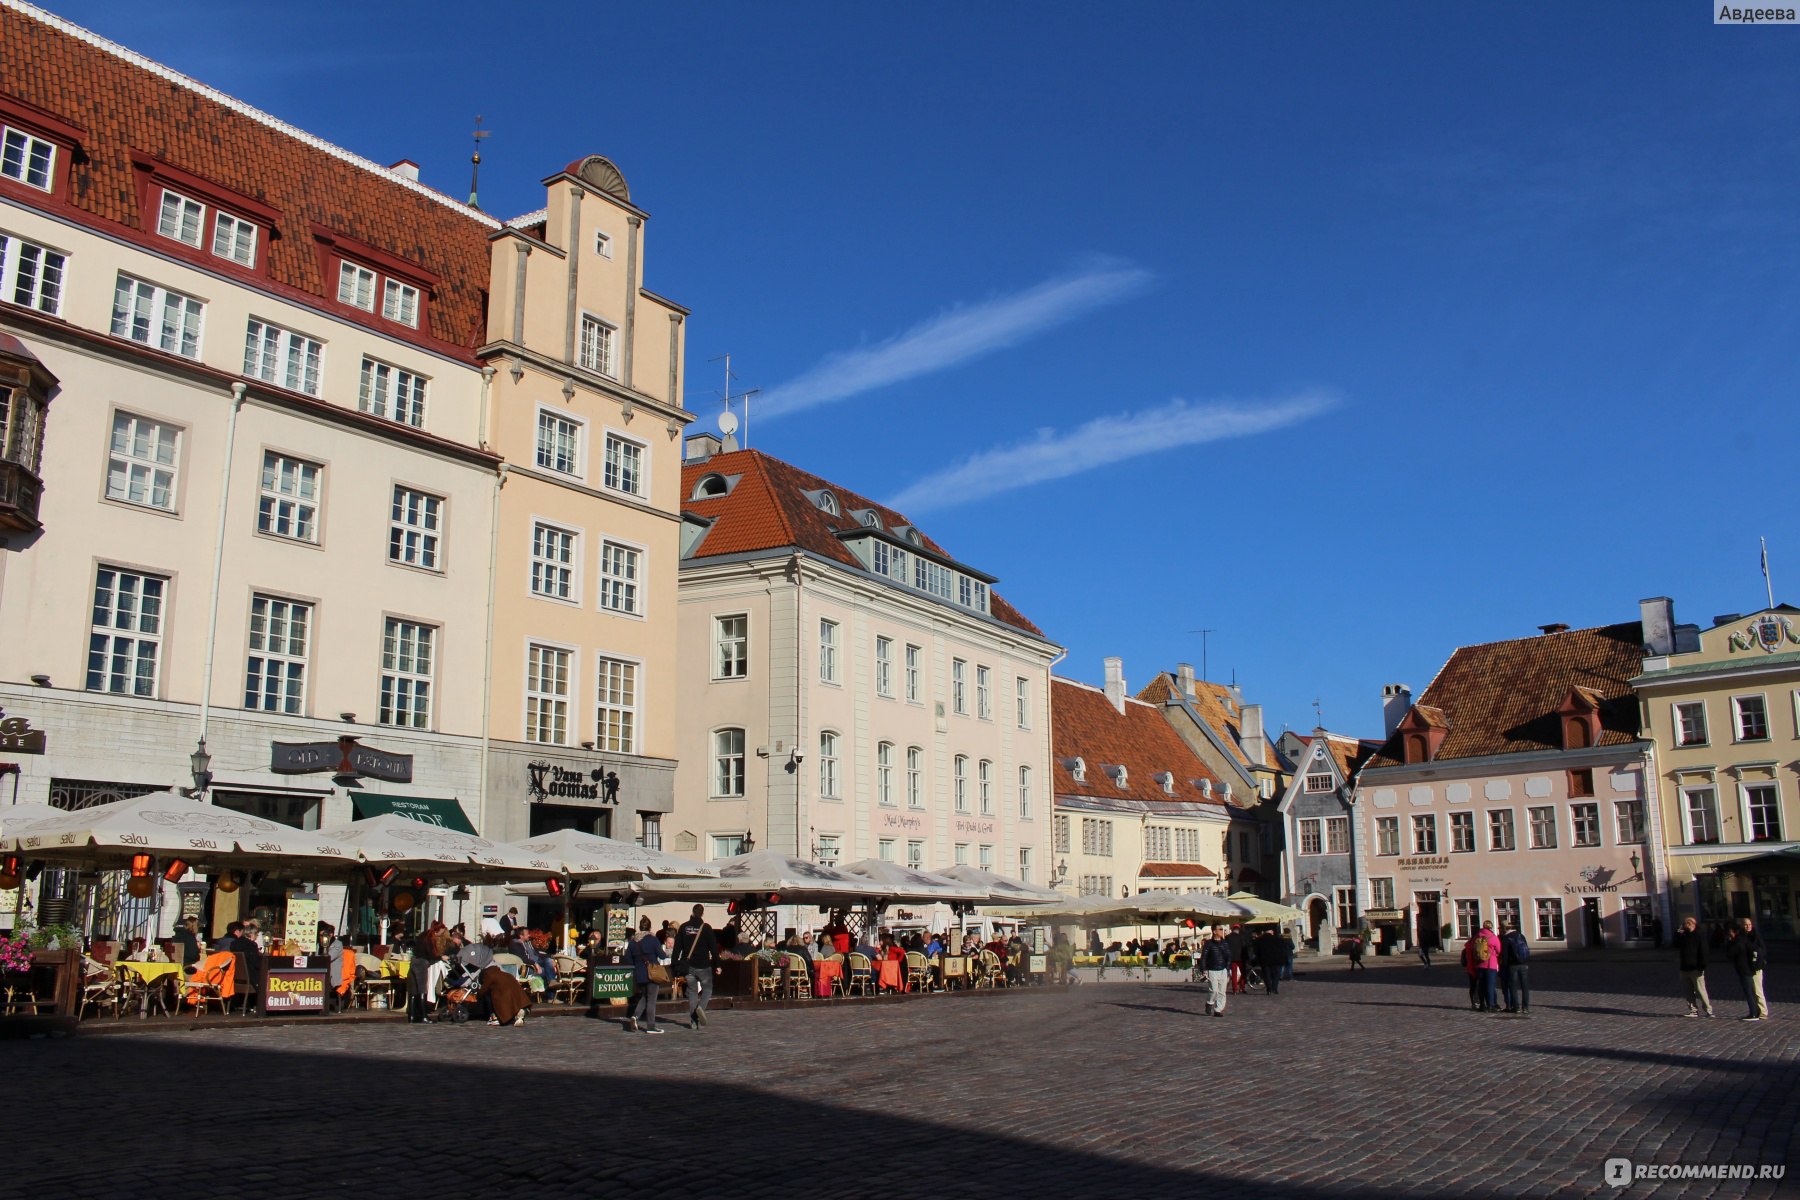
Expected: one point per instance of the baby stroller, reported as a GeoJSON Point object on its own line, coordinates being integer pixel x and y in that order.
{"type": "Point", "coordinates": [458, 996]}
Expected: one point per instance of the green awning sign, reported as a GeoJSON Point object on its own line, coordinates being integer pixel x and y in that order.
{"type": "Point", "coordinates": [429, 811]}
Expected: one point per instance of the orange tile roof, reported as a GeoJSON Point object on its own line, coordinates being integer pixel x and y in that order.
{"type": "Point", "coordinates": [124, 104]}
{"type": "Point", "coordinates": [1176, 871]}
{"type": "Point", "coordinates": [1502, 697]}
{"type": "Point", "coordinates": [1347, 752]}
{"type": "Point", "coordinates": [767, 509]}
{"type": "Point", "coordinates": [1085, 725]}
{"type": "Point", "coordinates": [1209, 702]}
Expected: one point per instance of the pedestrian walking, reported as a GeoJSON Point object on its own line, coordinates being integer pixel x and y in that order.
{"type": "Point", "coordinates": [1690, 957]}
{"type": "Point", "coordinates": [1490, 978]}
{"type": "Point", "coordinates": [1515, 960]}
{"type": "Point", "coordinates": [649, 970]}
{"type": "Point", "coordinates": [1748, 957]}
{"type": "Point", "coordinates": [1478, 962]}
{"type": "Point", "coordinates": [696, 954]}
{"type": "Point", "coordinates": [1356, 951]}
{"type": "Point", "coordinates": [1215, 960]}
{"type": "Point", "coordinates": [1238, 944]}
{"type": "Point", "coordinates": [1427, 943]}
{"type": "Point", "coordinates": [1270, 957]}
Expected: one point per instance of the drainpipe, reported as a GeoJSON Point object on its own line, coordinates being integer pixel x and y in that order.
{"type": "Point", "coordinates": [487, 387]}
{"type": "Point", "coordinates": [487, 654]}
{"type": "Point", "coordinates": [797, 575]}
{"type": "Point", "coordinates": [212, 615]}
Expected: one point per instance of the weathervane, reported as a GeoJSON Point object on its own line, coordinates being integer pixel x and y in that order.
{"type": "Point", "coordinates": [475, 163]}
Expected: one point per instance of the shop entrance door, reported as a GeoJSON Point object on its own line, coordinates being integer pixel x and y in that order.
{"type": "Point", "coordinates": [1428, 924]}
{"type": "Point", "coordinates": [1594, 936]}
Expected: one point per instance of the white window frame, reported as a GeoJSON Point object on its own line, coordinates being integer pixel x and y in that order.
{"type": "Point", "coordinates": [884, 667]}
{"type": "Point", "coordinates": [1591, 809]}
{"type": "Point", "coordinates": [828, 649]}
{"type": "Point", "coordinates": [1310, 836]}
{"type": "Point", "coordinates": [1749, 808]}
{"type": "Point", "coordinates": [129, 471]}
{"type": "Point", "coordinates": [546, 455]}
{"type": "Point", "coordinates": [830, 779]}
{"type": "Point", "coordinates": [984, 698]}
{"type": "Point", "coordinates": [547, 709]}
{"type": "Point", "coordinates": [1468, 917]}
{"type": "Point", "coordinates": [181, 218]}
{"type": "Point", "coordinates": [830, 847]}
{"type": "Point", "coordinates": [1737, 718]}
{"type": "Point", "coordinates": [1024, 864]}
{"type": "Point", "coordinates": [623, 577]}
{"type": "Point", "coordinates": [884, 849]}
{"type": "Point", "coordinates": [614, 475]}
{"type": "Point", "coordinates": [1343, 906]}
{"type": "Point", "coordinates": [131, 634]}
{"type": "Point", "coordinates": [1551, 918]}
{"type": "Point", "coordinates": [1511, 825]}
{"type": "Point", "coordinates": [357, 285]}
{"type": "Point", "coordinates": [1679, 734]}
{"type": "Point", "coordinates": [408, 661]}
{"type": "Point", "coordinates": [32, 274]}
{"type": "Point", "coordinates": [725, 845]}
{"type": "Point", "coordinates": [1381, 893]}
{"type": "Point", "coordinates": [603, 243]}
{"type": "Point", "coordinates": [984, 856]}
{"type": "Point", "coordinates": [728, 745]}
{"type": "Point", "coordinates": [914, 673]}
{"type": "Point", "coordinates": [915, 854]}
{"type": "Point", "coordinates": [416, 528]}
{"type": "Point", "coordinates": [283, 357]}
{"type": "Point", "coordinates": [1097, 837]}
{"type": "Point", "coordinates": [884, 774]}
{"type": "Point", "coordinates": [1387, 838]}
{"type": "Point", "coordinates": [618, 703]}
{"type": "Point", "coordinates": [960, 782]}
{"type": "Point", "coordinates": [731, 646]}
{"type": "Point", "coordinates": [234, 239]}
{"type": "Point", "coordinates": [959, 686]}
{"type": "Point", "coordinates": [1628, 822]}
{"type": "Point", "coordinates": [1335, 826]}
{"type": "Point", "coordinates": [391, 393]}
{"type": "Point", "coordinates": [597, 346]}
{"type": "Point", "coordinates": [1462, 832]}
{"type": "Point", "coordinates": [18, 147]}
{"type": "Point", "coordinates": [650, 830]}
{"type": "Point", "coordinates": [1688, 795]}
{"type": "Point", "coordinates": [984, 787]}
{"type": "Point", "coordinates": [1025, 793]}
{"type": "Point", "coordinates": [290, 495]}
{"type": "Point", "coordinates": [400, 302]}
{"type": "Point", "coordinates": [273, 658]}
{"type": "Point", "coordinates": [1059, 833]}
{"type": "Point", "coordinates": [915, 777]}
{"type": "Point", "coordinates": [1536, 828]}
{"type": "Point", "coordinates": [1424, 823]}
{"type": "Point", "coordinates": [152, 315]}
{"type": "Point", "coordinates": [548, 567]}
{"type": "Point", "coordinates": [1320, 781]}
{"type": "Point", "coordinates": [1022, 700]}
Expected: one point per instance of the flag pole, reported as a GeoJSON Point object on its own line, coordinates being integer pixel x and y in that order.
{"type": "Point", "coordinates": [1768, 584]}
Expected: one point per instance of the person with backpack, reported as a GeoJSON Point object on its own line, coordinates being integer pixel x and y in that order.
{"type": "Point", "coordinates": [1690, 956]}
{"type": "Point", "coordinates": [1478, 961]}
{"type": "Point", "coordinates": [1515, 954]}
{"type": "Point", "coordinates": [1748, 957]}
{"type": "Point", "coordinates": [696, 954]}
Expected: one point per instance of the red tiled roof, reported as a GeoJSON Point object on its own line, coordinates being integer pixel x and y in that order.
{"type": "Point", "coordinates": [1209, 701]}
{"type": "Point", "coordinates": [1502, 697]}
{"type": "Point", "coordinates": [1085, 725]}
{"type": "Point", "coordinates": [124, 106]}
{"type": "Point", "coordinates": [1176, 871]}
{"type": "Point", "coordinates": [1347, 752]}
{"type": "Point", "coordinates": [767, 509]}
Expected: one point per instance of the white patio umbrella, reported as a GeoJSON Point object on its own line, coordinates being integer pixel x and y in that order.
{"type": "Point", "coordinates": [391, 840]}
{"type": "Point", "coordinates": [595, 859]}
{"type": "Point", "coordinates": [16, 818]}
{"type": "Point", "coordinates": [1097, 911]}
{"type": "Point", "coordinates": [769, 873]}
{"type": "Point", "coordinates": [1000, 889]}
{"type": "Point", "coordinates": [1265, 910]}
{"type": "Point", "coordinates": [1201, 907]}
{"type": "Point", "coordinates": [169, 826]}
{"type": "Point", "coordinates": [906, 883]}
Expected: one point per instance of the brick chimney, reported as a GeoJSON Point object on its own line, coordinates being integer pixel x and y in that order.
{"type": "Point", "coordinates": [1115, 683]}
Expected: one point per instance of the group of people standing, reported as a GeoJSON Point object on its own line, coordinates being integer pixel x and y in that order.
{"type": "Point", "coordinates": [1224, 956]}
{"type": "Point", "coordinates": [1744, 950]}
{"type": "Point", "coordinates": [1498, 967]}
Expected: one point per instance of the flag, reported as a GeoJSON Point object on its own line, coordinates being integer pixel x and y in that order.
{"type": "Point", "coordinates": [1765, 557]}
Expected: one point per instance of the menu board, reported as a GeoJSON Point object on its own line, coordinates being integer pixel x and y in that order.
{"type": "Point", "coordinates": [302, 927]}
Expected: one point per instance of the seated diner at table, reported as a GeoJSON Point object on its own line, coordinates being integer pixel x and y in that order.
{"type": "Point", "coordinates": [839, 932]}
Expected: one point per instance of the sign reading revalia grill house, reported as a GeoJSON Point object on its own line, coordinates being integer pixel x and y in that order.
{"type": "Point", "coordinates": [17, 735]}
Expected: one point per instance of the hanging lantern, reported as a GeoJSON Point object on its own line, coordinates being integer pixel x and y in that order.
{"type": "Point", "coordinates": [379, 879]}
{"type": "Point", "coordinates": [140, 886]}
{"type": "Point", "coordinates": [10, 871]}
{"type": "Point", "coordinates": [175, 870]}
{"type": "Point", "coordinates": [228, 882]}
{"type": "Point", "coordinates": [402, 902]}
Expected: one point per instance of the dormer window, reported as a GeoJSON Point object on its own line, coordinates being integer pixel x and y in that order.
{"type": "Point", "coordinates": [871, 519]}
{"type": "Point", "coordinates": [27, 158]}
{"type": "Point", "coordinates": [1121, 777]}
{"type": "Point", "coordinates": [356, 286]}
{"type": "Point", "coordinates": [181, 218]}
{"type": "Point", "coordinates": [374, 281]}
{"type": "Point", "coordinates": [711, 486]}
{"type": "Point", "coordinates": [401, 303]}
{"type": "Point", "coordinates": [1422, 732]}
{"type": "Point", "coordinates": [1579, 716]}
{"type": "Point", "coordinates": [1078, 769]}
{"type": "Point", "coordinates": [1206, 788]}
{"type": "Point", "coordinates": [1225, 791]}
{"type": "Point", "coordinates": [827, 503]}
{"type": "Point", "coordinates": [1167, 779]}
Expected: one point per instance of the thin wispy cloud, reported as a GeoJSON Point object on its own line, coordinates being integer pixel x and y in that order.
{"type": "Point", "coordinates": [1049, 455]}
{"type": "Point", "coordinates": [965, 332]}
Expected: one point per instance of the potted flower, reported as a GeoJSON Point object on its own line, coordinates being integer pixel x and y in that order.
{"type": "Point", "coordinates": [15, 969]}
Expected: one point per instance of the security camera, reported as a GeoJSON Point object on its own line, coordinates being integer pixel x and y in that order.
{"type": "Point", "coordinates": [799, 756]}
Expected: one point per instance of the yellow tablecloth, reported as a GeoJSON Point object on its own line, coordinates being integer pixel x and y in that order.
{"type": "Point", "coordinates": [397, 968]}
{"type": "Point", "coordinates": [149, 972]}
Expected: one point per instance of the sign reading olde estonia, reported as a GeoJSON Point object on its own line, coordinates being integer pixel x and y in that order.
{"type": "Point", "coordinates": [18, 737]}
{"type": "Point", "coordinates": [342, 757]}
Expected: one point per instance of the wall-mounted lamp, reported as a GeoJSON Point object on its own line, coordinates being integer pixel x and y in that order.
{"type": "Point", "coordinates": [41, 680]}
{"type": "Point", "coordinates": [348, 718]}
{"type": "Point", "coordinates": [200, 763]}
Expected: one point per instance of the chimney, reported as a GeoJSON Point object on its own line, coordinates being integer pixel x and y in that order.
{"type": "Point", "coordinates": [1658, 615]}
{"type": "Point", "coordinates": [1115, 683]}
{"type": "Point", "coordinates": [406, 168]}
{"type": "Point", "coordinates": [1553, 627]}
{"type": "Point", "coordinates": [1184, 679]}
{"type": "Point", "coordinates": [1726, 618]}
{"type": "Point", "coordinates": [1396, 698]}
{"type": "Point", "coordinates": [699, 447]}
{"type": "Point", "coordinates": [1250, 734]}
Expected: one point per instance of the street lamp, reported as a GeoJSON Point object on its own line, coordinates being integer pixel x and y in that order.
{"type": "Point", "coordinates": [200, 762]}
{"type": "Point", "coordinates": [748, 844]}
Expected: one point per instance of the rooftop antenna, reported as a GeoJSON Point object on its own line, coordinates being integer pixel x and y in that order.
{"type": "Point", "coordinates": [1204, 633]}
{"type": "Point", "coordinates": [475, 163]}
{"type": "Point", "coordinates": [744, 396]}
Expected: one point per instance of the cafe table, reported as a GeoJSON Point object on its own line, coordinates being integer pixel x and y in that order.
{"type": "Point", "coordinates": [396, 968]}
{"type": "Point", "coordinates": [825, 971]}
{"type": "Point", "coordinates": [153, 974]}
{"type": "Point", "coordinates": [891, 973]}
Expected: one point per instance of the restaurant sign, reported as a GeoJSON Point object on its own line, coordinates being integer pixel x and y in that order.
{"type": "Point", "coordinates": [17, 735]}
{"type": "Point", "coordinates": [897, 823]}
{"type": "Point", "coordinates": [547, 781]}
{"type": "Point", "coordinates": [297, 984]}
{"type": "Point", "coordinates": [978, 828]}
{"type": "Point", "coordinates": [1427, 862]}
{"type": "Point", "coordinates": [342, 757]}
{"type": "Point", "coordinates": [612, 983]}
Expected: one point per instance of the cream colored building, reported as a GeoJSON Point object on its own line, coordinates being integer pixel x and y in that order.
{"type": "Point", "coordinates": [585, 407]}
{"type": "Point", "coordinates": [1722, 706]}
{"type": "Point", "coordinates": [266, 511]}
{"type": "Point", "coordinates": [848, 690]}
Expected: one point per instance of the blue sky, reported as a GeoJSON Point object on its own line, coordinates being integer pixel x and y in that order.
{"type": "Point", "coordinates": [1354, 333]}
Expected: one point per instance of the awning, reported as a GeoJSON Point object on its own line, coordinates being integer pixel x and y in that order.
{"type": "Point", "coordinates": [1772, 858]}
{"type": "Point", "coordinates": [430, 811]}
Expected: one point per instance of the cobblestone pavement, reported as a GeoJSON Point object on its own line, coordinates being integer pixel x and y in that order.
{"type": "Point", "coordinates": [1373, 1084]}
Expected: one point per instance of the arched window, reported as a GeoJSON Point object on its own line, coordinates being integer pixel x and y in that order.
{"type": "Point", "coordinates": [728, 762]}
{"type": "Point", "coordinates": [711, 485]}
{"type": "Point", "coordinates": [828, 503]}
{"type": "Point", "coordinates": [884, 773]}
{"type": "Point", "coordinates": [828, 765]}
{"type": "Point", "coordinates": [1418, 748]}
{"type": "Point", "coordinates": [915, 777]}
{"type": "Point", "coordinates": [962, 783]}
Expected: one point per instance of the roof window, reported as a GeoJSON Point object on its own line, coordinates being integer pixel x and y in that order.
{"type": "Point", "coordinates": [711, 485]}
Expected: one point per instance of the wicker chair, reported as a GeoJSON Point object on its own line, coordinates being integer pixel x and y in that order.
{"type": "Point", "coordinates": [796, 979]}
{"type": "Point", "coordinates": [862, 975]}
{"type": "Point", "coordinates": [213, 982]}
{"type": "Point", "coordinates": [992, 973]}
{"type": "Point", "coordinates": [571, 973]}
{"type": "Point", "coordinates": [100, 989]}
{"type": "Point", "coordinates": [373, 987]}
{"type": "Point", "coordinates": [768, 978]}
{"type": "Point", "coordinates": [918, 971]}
